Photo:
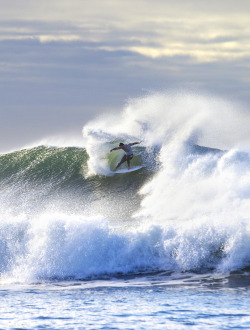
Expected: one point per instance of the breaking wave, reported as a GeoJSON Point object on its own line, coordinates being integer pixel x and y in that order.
{"type": "Point", "coordinates": [65, 214]}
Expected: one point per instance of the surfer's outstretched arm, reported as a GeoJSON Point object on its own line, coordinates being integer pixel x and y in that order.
{"type": "Point", "coordinates": [117, 148]}
{"type": "Point", "coordinates": [122, 146]}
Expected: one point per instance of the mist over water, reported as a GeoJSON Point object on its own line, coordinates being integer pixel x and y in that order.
{"type": "Point", "coordinates": [175, 117]}
{"type": "Point", "coordinates": [65, 214]}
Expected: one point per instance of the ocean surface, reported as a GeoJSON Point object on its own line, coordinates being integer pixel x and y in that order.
{"type": "Point", "coordinates": [164, 247]}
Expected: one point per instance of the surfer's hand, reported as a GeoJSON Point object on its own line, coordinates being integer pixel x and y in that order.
{"type": "Point", "coordinates": [111, 150]}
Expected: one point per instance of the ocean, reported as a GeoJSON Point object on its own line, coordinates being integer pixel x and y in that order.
{"type": "Point", "coordinates": [163, 247]}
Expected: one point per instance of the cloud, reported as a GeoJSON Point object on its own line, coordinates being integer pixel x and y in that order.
{"type": "Point", "coordinates": [92, 74]}
{"type": "Point", "coordinates": [205, 32]}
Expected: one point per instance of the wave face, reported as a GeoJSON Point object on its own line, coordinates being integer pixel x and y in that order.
{"type": "Point", "coordinates": [64, 214]}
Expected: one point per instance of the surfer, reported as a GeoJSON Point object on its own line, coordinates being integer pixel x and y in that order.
{"type": "Point", "coordinates": [128, 153]}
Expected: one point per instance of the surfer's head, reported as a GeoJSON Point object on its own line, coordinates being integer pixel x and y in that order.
{"type": "Point", "coordinates": [121, 145]}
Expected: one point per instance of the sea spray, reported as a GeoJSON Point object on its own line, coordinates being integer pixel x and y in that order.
{"type": "Point", "coordinates": [160, 118]}
{"type": "Point", "coordinates": [194, 184]}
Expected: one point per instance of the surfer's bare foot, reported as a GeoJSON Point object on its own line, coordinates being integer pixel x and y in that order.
{"type": "Point", "coordinates": [128, 168]}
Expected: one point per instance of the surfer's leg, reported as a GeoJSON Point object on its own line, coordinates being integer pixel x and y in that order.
{"type": "Point", "coordinates": [128, 160]}
{"type": "Point", "coordinates": [124, 158]}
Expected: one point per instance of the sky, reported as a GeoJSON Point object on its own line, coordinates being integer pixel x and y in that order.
{"type": "Point", "coordinates": [63, 62]}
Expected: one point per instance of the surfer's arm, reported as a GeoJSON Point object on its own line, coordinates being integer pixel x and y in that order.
{"type": "Point", "coordinates": [117, 148]}
{"type": "Point", "coordinates": [135, 143]}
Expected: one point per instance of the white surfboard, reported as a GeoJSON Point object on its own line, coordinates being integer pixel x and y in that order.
{"type": "Point", "coordinates": [125, 170]}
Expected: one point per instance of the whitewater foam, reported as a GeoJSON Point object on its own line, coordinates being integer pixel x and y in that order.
{"type": "Point", "coordinates": [59, 246]}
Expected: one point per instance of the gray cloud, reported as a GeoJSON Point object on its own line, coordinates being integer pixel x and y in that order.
{"type": "Point", "coordinates": [205, 31]}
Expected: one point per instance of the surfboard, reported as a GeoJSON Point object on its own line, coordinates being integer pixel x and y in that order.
{"type": "Point", "coordinates": [125, 170]}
